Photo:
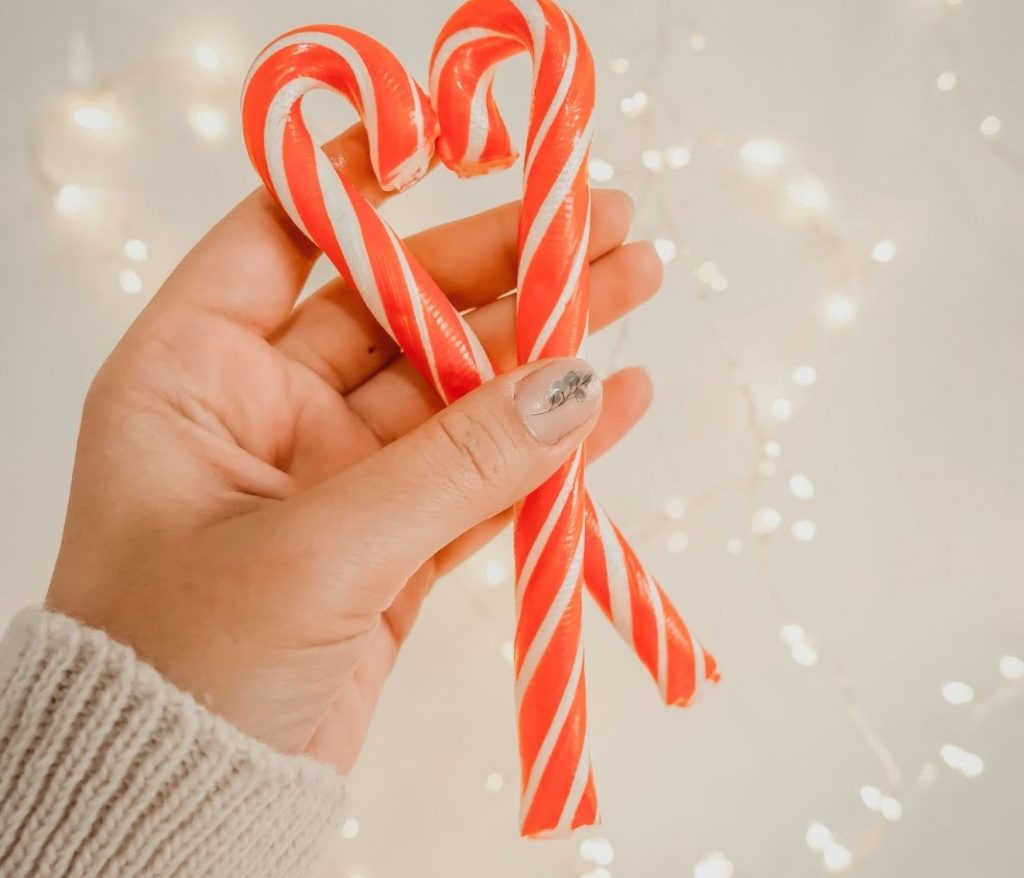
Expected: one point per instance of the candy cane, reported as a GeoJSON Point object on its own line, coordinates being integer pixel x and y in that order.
{"type": "Point", "coordinates": [552, 312]}
{"type": "Point", "coordinates": [400, 128]}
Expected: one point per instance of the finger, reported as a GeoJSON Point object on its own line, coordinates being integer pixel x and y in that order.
{"type": "Point", "coordinates": [252, 265]}
{"type": "Point", "coordinates": [473, 260]}
{"type": "Point", "coordinates": [464, 465]}
{"type": "Point", "coordinates": [398, 398]}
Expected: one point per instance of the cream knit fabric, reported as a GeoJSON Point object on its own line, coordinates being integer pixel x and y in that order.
{"type": "Point", "coordinates": [106, 769]}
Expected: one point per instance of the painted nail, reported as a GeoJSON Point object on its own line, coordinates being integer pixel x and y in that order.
{"type": "Point", "coordinates": [558, 397]}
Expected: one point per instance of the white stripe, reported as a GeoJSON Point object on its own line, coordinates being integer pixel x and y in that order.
{"type": "Point", "coordinates": [364, 81]}
{"type": "Point", "coordinates": [479, 126]}
{"type": "Point", "coordinates": [659, 624]}
{"type": "Point", "coordinates": [450, 46]}
{"type": "Point", "coordinates": [542, 639]}
{"type": "Point", "coordinates": [618, 578]}
{"type": "Point", "coordinates": [416, 302]}
{"type": "Point", "coordinates": [273, 142]}
{"type": "Point", "coordinates": [571, 282]}
{"type": "Point", "coordinates": [553, 200]}
{"type": "Point", "coordinates": [554, 730]}
{"type": "Point", "coordinates": [533, 15]}
{"type": "Point", "coordinates": [558, 100]}
{"type": "Point", "coordinates": [545, 532]}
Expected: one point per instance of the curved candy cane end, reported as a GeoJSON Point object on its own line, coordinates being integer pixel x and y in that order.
{"type": "Point", "coordinates": [466, 169]}
{"type": "Point", "coordinates": [409, 171]}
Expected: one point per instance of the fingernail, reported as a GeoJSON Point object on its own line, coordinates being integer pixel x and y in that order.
{"type": "Point", "coordinates": [558, 397]}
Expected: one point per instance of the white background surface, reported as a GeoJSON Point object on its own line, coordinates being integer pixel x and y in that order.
{"type": "Point", "coordinates": [912, 434]}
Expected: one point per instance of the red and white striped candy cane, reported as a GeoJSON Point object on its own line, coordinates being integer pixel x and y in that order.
{"type": "Point", "coordinates": [557, 782]}
{"type": "Point", "coordinates": [401, 129]}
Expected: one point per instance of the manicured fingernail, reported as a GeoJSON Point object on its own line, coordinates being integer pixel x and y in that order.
{"type": "Point", "coordinates": [558, 397]}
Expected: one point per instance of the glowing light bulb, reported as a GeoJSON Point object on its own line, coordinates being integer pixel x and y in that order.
{"type": "Point", "coordinates": [840, 310]}
{"type": "Point", "coordinates": [675, 507]}
{"type": "Point", "coordinates": [206, 57]}
{"type": "Point", "coordinates": [990, 126]}
{"type": "Point", "coordinates": [70, 200]}
{"type": "Point", "coordinates": [946, 81]}
{"type": "Point", "coordinates": [494, 783]}
{"type": "Point", "coordinates": [677, 542]}
{"type": "Point", "coordinates": [804, 654]}
{"type": "Point", "coordinates": [765, 521]}
{"type": "Point", "coordinates": [495, 573]}
{"type": "Point", "coordinates": [801, 487]}
{"type": "Point", "coordinates": [782, 409]}
{"type": "Point", "coordinates": [665, 249]}
{"type": "Point", "coordinates": [1011, 667]}
{"type": "Point", "coordinates": [968, 764]}
{"type": "Point", "coordinates": [956, 692]}
{"type": "Point", "coordinates": [714, 865]}
{"type": "Point", "coordinates": [698, 42]}
{"type": "Point", "coordinates": [597, 850]}
{"type": "Point", "coordinates": [208, 122]}
{"type": "Point", "coordinates": [808, 193]}
{"type": "Point", "coordinates": [600, 171]}
{"type": "Point", "coordinates": [90, 117]}
{"type": "Point", "coordinates": [891, 808]}
{"type": "Point", "coordinates": [818, 837]}
{"type": "Point", "coordinates": [130, 282]}
{"type": "Point", "coordinates": [761, 155]}
{"type": "Point", "coordinates": [804, 529]}
{"type": "Point", "coordinates": [136, 250]}
{"type": "Point", "coordinates": [635, 105]}
{"type": "Point", "coordinates": [772, 448]}
{"type": "Point", "coordinates": [791, 633]}
{"type": "Point", "coordinates": [653, 160]}
{"type": "Point", "coordinates": [710, 274]}
{"type": "Point", "coordinates": [871, 797]}
{"type": "Point", "coordinates": [884, 251]}
{"type": "Point", "coordinates": [836, 858]}
{"type": "Point", "coordinates": [805, 376]}
{"type": "Point", "coordinates": [350, 828]}
{"type": "Point", "coordinates": [677, 157]}
{"type": "Point", "coordinates": [619, 66]}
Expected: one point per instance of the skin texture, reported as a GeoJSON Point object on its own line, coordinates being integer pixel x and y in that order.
{"type": "Point", "coordinates": [265, 492]}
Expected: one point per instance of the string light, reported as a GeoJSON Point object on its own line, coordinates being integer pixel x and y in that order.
{"type": "Point", "coordinates": [208, 122]}
{"type": "Point", "coordinates": [677, 157]}
{"type": "Point", "coordinates": [761, 155]}
{"type": "Point", "coordinates": [766, 520]}
{"type": "Point", "coordinates": [90, 117]}
{"type": "Point", "coordinates": [710, 274]}
{"type": "Point", "coordinates": [1011, 667]}
{"type": "Point", "coordinates": [635, 105]}
{"type": "Point", "coordinates": [494, 782]}
{"type": "Point", "coordinates": [619, 66]}
{"type": "Point", "coordinates": [967, 763]}
{"type": "Point", "coordinates": [840, 310]}
{"type": "Point", "coordinates": [698, 42]}
{"type": "Point", "coordinates": [597, 850]}
{"type": "Point", "coordinates": [350, 828]}
{"type": "Point", "coordinates": [495, 573]}
{"type": "Point", "coordinates": [734, 545]}
{"type": "Point", "coordinates": [772, 448]}
{"type": "Point", "coordinates": [130, 281]}
{"type": "Point", "coordinates": [653, 160]}
{"type": "Point", "coordinates": [804, 529]}
{"type": "Point", "coordinates": [677, 542]}
{"type": "Point", "coordinates": [805, 376]}
{"type": "Point", "coordinates": [837, 858]}
{"type": "Point", "coordinates": [871, 797]}
{"type": "Point", "coordinates": [714, 865]}
{"type": "Point", "coordinates": [818, 837]}
{"type": "Point", "coordinates": [884, 251]}
{"type": "Point", "coordinates": [956, 692]}
{"type": "Point", "coordinates": [782, 409]}
{"type": "Point", "coordinates": [808, 193]}
{"type": "Point", "coordinates": [136, 250]}
{"type": "Point", "coordinates": [70, 200]}
{"type": "Point", "coordinates": [990, 126]}
{"type": "Point", "coordinates": [507, 651]}
{"type": "Point", "coordinates": [891, 809]}
{"type": "Point", "coordinates": [665, 249]}
{"type": "Point", "coordinates": [206, 57]}
{"type": "Point", "coordinates": [801, 487]}
{"type": "Point", "coordinates": [600, 170]}
{"type": "Point", "coordinates": [946, 81]}
{"type": "Point", "coordinates": [675, 507]}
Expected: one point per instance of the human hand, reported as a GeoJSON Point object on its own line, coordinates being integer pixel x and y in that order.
{"type": "Point", "coordinates": [264, 492]}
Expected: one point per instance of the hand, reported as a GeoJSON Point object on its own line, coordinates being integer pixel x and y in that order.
{"type": "Point", "coordinates": [264, 492]}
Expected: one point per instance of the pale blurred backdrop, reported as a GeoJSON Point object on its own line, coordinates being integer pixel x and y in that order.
{"type": "Point", "coordinates": [829, 483]}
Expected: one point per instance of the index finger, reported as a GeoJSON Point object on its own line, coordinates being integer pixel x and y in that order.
{"type": "Point", "coordinates": [252, 265]}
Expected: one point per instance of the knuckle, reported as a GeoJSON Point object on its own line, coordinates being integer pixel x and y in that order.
{"type": "Point", "coordinates": [484, 448]}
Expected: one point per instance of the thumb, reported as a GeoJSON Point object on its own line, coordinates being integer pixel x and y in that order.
{"type": "Point", "coordinates": [469, 462]}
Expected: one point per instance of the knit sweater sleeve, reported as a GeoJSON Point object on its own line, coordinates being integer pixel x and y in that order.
{"type": "Point", "coordinates": [108, 769]}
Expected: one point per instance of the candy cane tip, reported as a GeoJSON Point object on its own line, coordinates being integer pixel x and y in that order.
{"type": "Point", "coordinates": [408, 171]}
{"type": "Point", "coordinates": [465, 168]}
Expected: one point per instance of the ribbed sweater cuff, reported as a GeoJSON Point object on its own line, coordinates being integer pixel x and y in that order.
{"type": "Point", "coordinates": [108, 769]}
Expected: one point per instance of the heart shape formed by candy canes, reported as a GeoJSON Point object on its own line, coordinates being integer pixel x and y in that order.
{"type": "Point", "coordinates": [401, 128]}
